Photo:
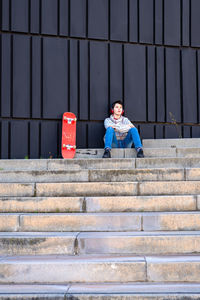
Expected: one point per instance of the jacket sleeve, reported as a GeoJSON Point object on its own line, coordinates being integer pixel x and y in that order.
{"type": "Point", "coordinates": [125, 126]}
{"type": "Point", "coordinates": [108, 123]}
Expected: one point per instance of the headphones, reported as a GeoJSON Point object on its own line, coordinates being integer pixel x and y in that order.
{"type": "Point", "coordinates": [112, 108]}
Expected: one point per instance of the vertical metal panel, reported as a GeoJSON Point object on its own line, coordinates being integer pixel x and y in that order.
{"type": "Point", "coordinates": [186, 23]}
{"type": "Point", "coordinates": [159, 131]}
{"type": "Point", "coordinates": [195, 23]}
{"type": "Point", "coordinates": [20, 15]}
{"type": "Point", "coordinates": [49, 139]}
{"type": "Point", "coordinates": [173, 101]}
{"type": "Point", "coordinates": [6, 75]}
{"type": "Point", "coordinates": [135, 82]}
{"type": "Point", "coordinates": [19, 139]}
{"type": "Point", "coordinates": [189, 86]}
{"type": "Point", "coordinates": [116, 72]}
{"type": "Point", "coordinates": [195, 131]}
{"type": "Point", "coordinates": [78, 18]}
{"type": "Point", "coordinates": [186, 132]}
{"type": "Point", "coordinates": [146, 131]}
{"type": "Point", "coordinates": [119, 20]}
{"type": "Point", "coordinates": [35, 16]}
{"type": "Point", "coordinates": [84, 80]}
{"type": "Point", "coordinates": [81, 135]}
{"type": "Point", "coordinates": [151, 84]}
{"type": "Point", "coordinates": [5, 15]}
{"type": "Point", "coordinates": [98, 19]}
{"type": "Point", "coordinates": [173, 131]}
{"type": "Point", "coordinates": [146, 21]}
{"type": "Point", "coordinates": [5, 145]}
{"type": "Point", "coordinates": [198, 85]}
{"type": "Point", "coordinates": [160, 84]}
{"type": "Point", "coordinates": [74, 77]}
{"type": "Point", "coordinates": [36, 77]}
{"type": "Point", "coordinates": [64, 17]}
{"type": "Point", "coordinates": [49, 16]}
{"type": "Point", "coordinates": [34, 139]}
{"type": "Point", "coordinates": [21, 76]}
{"type": "Point", "coordinates": [172, 22]}
{"type": "Point", "coordinates": [55, 77]}
{"type": "Point", "coordinates": [98, 80]}
{"type": "Point", "coordinates": [158, 21]}
{"type": "Point", "coordinates": [133, 20]}
{"type": "Point", "coordinates": [96, 133]}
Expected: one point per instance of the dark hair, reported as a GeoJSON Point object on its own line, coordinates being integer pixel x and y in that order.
{"type": "Point", "coordinates": [117, 102]}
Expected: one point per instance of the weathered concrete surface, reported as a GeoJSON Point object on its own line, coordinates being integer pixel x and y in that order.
{"type": "Point", "coordinates": [17, 189]}
{"type": "Point", "coordinates": [152, 152]}
{"type": "Point", "coordinates": [72, 269]}
{"type": "Point", "coordinates": [86, 189]}
{"type": "Point", "coordinates": [172, 143]}
{"type": "Point", "coordinates": [81, 222]}
{"type": "Point", "coordinates": [136, 175]}
{"type": "Point", "coordinates": [23, 164]}
{"type": "Point", "coordinates": [188, 152]}
{"type": "Point", "coordinates": [169, 188]}
{"type": "Point", "coordinates": [171, 221]}
{"type": "Point", "coordinates": [41, 204]}
{"type": "Point", "coordinates": [193, 174]}
{"type": "Point", "coordinates": [141, 203]}
{"type": "Point", "coordinates": [168, 162]}
{"type": "Point", "coordinates": [44, 176]}
{"type": "Point", "coordinates": [176, 269]}
{"type": "Point", "coordinates": [37, 244]}
{"type": "Point", "coordinates": [98, 153]}
{"type": "Point", "coordinates": [9, 222]}
{"type": "Point", "coordinates": [137, 243]}
{"type": "Point", "coordinates": [109, 163]}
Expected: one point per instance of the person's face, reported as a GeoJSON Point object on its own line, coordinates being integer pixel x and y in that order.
{"type": "Point", "coordinates": [118, 109]}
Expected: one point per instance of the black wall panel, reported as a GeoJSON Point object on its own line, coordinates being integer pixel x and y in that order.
{"type": "Point", "coordinates": [133, 20]}
{"type": "Point", "coordinates": [186, 23]}
{"type": "Point", "coordinates": [64, 17]}
{"type": "Point", "coordinates": [96, 132]}
{"type": "Point", "coordinates": [34, 148]}
{"type": "Point", "coordinates": [195, 23]}
{"type": "Point", "coordinates": [82, 135]}
{"type": "Point", "coordinates": [74, 80]}
{"type": "Point", "coordinates": [49, 13]}
{"type": "Point", "coordinates": [35, 16]}
{"type": "Point", "coordinates": [160, 84]}
{"type": "Point", "coordinates": [116, 73]}
{"type": "Point", "coordinates": [98, 80]}
{"type": "Point", "coordinates": [6, 85]}
{"type": "Point", "coordinates": [19, 139]}
{"type": "Point", "coordinates": [55, 77]}
{"type": "Point", "coordinates": [78, 18]}
{"type": "Point", "coordinates": [151, 86]}
{"type": "Point", "coordinates": [172, 17]}
{"type": "Point", "coordinates": [5, 18]}
{"type": "Point", "coordinates": [21, 76]}
{"type": "Point", "coordinates": [119, 20]}
{"type": "Point", "coordinates": [189, 86]}
{"type": "Point", "coordinates": [5, 140]}
{"type": "Point", "coordinates": [49, 138]}
{"type": "Point", "coordinates": [135, 82]}
{"type": "Point", "coordinates": [146, 18]}
{"type": "Point", "coordinates": [20, 15]}
{"type": "Point", "coordinates": [36, 60]}
{"type": "Point", "coordinates": [159, 21]}
{"type": "Point", "coordinates": [98, 19]}
{"type": "Point", "coordinates": [173, 91]}
{"type": "Point", "coordinates": [83, 80]}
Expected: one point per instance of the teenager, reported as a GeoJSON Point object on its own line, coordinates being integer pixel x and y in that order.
{"type": "Point", "coordinates": [120, 132]}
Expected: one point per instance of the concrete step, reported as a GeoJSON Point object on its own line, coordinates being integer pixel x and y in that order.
{"type": "Point", "coordinates": [35, 243]}
{"type": "Point", "coordinates": [172, 143]}
{"type": "Point", "coordinates": [99, 269]}
{"type": "Point", "coordinates": [67, 269]}
{"type": "Point", "coordinates": [114, 291]}
{"type": "Point", "coordinates": [99, 204]}
{"type": "Point", "coordinates": [99, 175]}
{"type": "Point", "coordinates": [152, 221]}
{"type": "Point", "coordinates": [69, 243]}
{"type": "Point", "coordinates": [92, 189]}
{"type": "Point", "coordinates": [139, 243]}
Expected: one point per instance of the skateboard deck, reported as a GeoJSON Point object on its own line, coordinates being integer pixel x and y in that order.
{"type": "Point", "coordinates": [68, 135]}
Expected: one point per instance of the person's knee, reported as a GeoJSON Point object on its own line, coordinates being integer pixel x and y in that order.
{"type": "Point", "coordinates": [133, 130]}
{"type": "Point", "coordinates": [110, 129]}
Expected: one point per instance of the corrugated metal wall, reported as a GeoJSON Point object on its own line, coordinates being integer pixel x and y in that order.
{"type": "Point", "coordinates": [81, 55]}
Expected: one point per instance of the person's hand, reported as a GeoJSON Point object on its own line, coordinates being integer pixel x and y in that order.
{"type": "Point", "coordinates": [131, 125]}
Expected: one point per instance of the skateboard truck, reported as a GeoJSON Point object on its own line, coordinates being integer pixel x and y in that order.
{"type": "Point", "coordinates": [69, 147]}
{"type": "Point", "coordinates": [69, 120]}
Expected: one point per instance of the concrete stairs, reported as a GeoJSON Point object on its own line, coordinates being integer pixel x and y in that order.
{"type": "Point", "coordinates": [92, 228]}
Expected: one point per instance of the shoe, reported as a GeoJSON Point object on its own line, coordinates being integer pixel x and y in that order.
{"type": "Point", "coordinates": [140, 153]}
{"type": "Point", "coordinates": [107, 153]}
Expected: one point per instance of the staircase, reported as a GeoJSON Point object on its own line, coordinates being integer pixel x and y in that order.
{"type": "Point", "coordinates": [92, 228]}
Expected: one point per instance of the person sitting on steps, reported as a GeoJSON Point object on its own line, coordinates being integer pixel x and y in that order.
{"type": "Point", "coordinates": [120, 132]}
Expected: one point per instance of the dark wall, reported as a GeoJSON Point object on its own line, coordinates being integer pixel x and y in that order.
{"type": "Point", "coordinates": [81, 55]}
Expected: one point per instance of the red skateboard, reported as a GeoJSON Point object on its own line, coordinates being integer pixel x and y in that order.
{"type": "Point", "coordinates": [68, 135]}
